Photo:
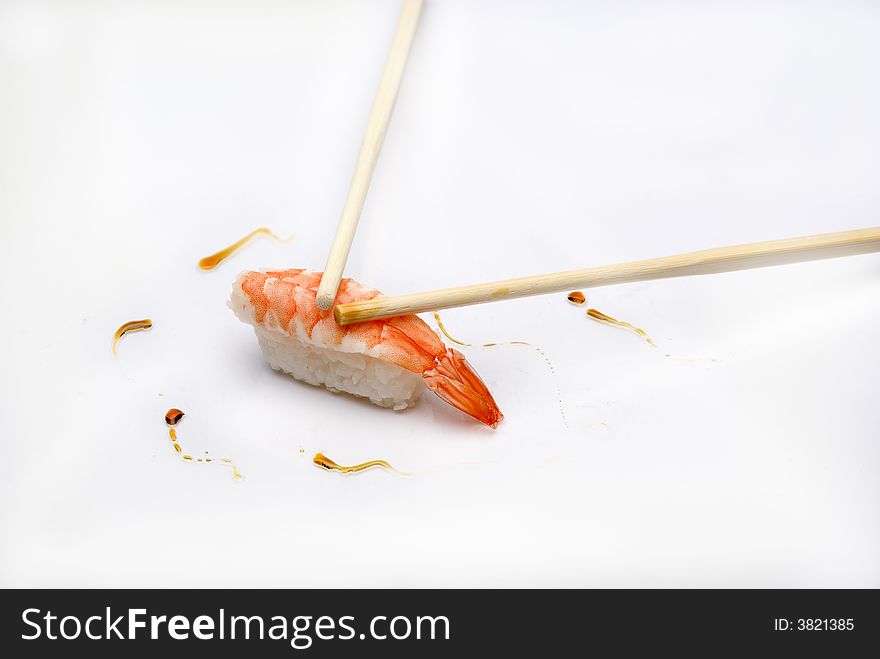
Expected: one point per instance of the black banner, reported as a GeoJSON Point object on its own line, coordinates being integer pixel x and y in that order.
{"type": "Point", "coordinates": [435, 622]}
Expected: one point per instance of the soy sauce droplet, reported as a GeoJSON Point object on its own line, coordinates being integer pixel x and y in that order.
{"type": "Point", "coordinates": [576, 297]}
{"type": "Point", "coordinates": [173, 416]}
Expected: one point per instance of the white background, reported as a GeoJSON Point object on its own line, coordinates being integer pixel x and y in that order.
{"type": "Point", "coordinates": [528, 137]}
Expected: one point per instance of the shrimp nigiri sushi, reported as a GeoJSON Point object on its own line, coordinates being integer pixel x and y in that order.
{"type": "Point", "coordinates": [388, 361]}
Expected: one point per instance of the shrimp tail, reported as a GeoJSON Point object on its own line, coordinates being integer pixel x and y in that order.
{"type": "Point", "coordinates": [453, 380]}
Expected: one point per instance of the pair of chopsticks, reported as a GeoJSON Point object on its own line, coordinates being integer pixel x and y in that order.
{"type": "Point", "coordinates": [708, 261]}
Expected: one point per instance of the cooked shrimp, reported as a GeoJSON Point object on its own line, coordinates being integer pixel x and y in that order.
{"type": "Point", "coordinates": [386, 361]}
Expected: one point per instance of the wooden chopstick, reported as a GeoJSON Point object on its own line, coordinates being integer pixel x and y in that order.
{"type": "Point", "coordinates": [707, 261]}
{"type": "Point", "coordinates": [374, 135]}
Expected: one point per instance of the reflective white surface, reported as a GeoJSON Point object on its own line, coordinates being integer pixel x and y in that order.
{"type": "Point", "coordinates": [528, 137]}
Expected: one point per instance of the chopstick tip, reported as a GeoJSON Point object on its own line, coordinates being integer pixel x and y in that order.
{"type": "Point", "coordinates": [324, 301]}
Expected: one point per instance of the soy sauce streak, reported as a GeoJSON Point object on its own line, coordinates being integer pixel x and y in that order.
{"type": "Point", "coordinates": [326, 463]}
{"type": "Point", "coordinates": [211, 262]}
{"type": "Point", "coordinates": [447, 334]}
{"type": "Point", "coordinates": [540, 352]}
{"type": "Point", "coordinates": [579, 299]}
{"type": "Point", "coordinates": [130, 326]}
{"type": "Point", "coordinates": [172, 418]}
{"type": "Point", "coordinates": [173, 434]}
{"type": "Point", "coordinates": [595, 314]}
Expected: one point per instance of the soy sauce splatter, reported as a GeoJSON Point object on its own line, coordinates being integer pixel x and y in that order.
{"type": "Point", "coordinates": [130, 326]}
{"type": "Point", "coordinates": [212, 261]}
{"type": "Point", "coordinates": [597, 315]}
{"type": "Point", "coordinates": [172, 418]}
{"type": "Point", "coordinates": [324, 462]}
{"type": "Point", "coordinates": [540, 352]}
